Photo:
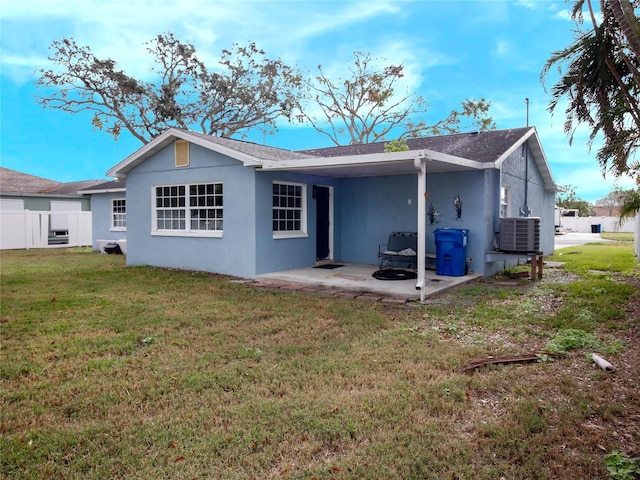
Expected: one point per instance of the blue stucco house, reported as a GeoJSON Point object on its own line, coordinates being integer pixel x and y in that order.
{"type": "Point", "coordinates": [195, 201]}
{"type": "Point", "coordinates": [109, 205]}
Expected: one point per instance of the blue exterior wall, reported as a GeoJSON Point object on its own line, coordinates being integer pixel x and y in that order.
{"type": "Point", "coordinates": [514, 176]}
{"type": "Point", "coordinates": [101, 217]}
{"type": "Point", "coordinates": [373, 207]}
{"type": "Point", "coordinates": [273, 254]}
{"type": "Point", "coordinates": [540, 201]}
{"type": "Point", "coordinates": [470, 187]}
{"type": "Point", "coordinates": [365, 211]}
{"type": "Point", "coordinates": [233, 254]}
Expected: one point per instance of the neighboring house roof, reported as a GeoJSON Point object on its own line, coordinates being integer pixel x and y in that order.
{"type": "Point", "coordinates": [446, 153]}
{"type": "Point", "coordinates": [71, 188]}
{"type": "Point", "coordinates": [12, 181]}
{"type": "Point", "coordinates": [18, 182]}
{"type": "Point", "coordinates": [107, 187]}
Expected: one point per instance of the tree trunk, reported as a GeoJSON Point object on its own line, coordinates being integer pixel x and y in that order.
{"type": "Point", "coordinates": [622, 11]}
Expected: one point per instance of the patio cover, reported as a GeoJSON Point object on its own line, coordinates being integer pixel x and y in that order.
{"type": "Point", "coordinates": [419, 162]}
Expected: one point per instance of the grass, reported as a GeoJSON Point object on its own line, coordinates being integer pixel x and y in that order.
{"type": "Point", "coordinates": [137, 373]}
{"type": "Point", "coordinates": [618, 236]}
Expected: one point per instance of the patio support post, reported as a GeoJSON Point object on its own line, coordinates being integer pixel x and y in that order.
{"type": "Point", "coordinates": [421, 168]}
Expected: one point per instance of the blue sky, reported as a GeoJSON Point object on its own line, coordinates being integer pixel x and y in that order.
{"type": "Point", "coordinates": [452, 50]}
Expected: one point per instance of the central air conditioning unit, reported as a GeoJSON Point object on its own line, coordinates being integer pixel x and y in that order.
{"type": "Point", "coordinates": [520, 234]}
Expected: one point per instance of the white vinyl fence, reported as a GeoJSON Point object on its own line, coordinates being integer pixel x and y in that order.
{"type": "Point", "coordinates": [33, 229]}
{"type": "Point", "coordinates": [607, 224]}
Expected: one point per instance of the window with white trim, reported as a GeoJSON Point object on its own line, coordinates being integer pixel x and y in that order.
{"type": "Point", "coordinates": [195, 209]}
{"type": "Point", "coordinates": [505, 193]}
{"type": "Point", "coordinates": [119, 214]}
{"type": "Point", "coordinates": [289, 216]}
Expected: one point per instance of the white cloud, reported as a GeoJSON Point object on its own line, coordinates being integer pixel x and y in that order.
{"type": "Point", "coordinates": [563, 14]}
{"type": "Point", "coordinates": [317, 24]}
{"type": "Point", "coordinates": [502, 48]}
{"type": "Point", "coordinates": [117, 29]}
{"type": "Point", "coordinates": [530, 4]}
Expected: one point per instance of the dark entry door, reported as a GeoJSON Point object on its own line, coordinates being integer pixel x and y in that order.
{"type": "Point", "coordinates": [322, 222]}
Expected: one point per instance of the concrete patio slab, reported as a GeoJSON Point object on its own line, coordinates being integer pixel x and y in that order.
{"type": "Point", "coordinates": [357, 280]}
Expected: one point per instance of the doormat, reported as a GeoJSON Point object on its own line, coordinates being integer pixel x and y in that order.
{"type": "Point", "coordinates": [394, 274]}
{"type": "Point", "coordinates": [329, 266]}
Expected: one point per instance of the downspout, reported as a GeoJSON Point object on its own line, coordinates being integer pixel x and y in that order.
{"type": "Point", "coordinates": [525, 208]}
{"type": "Point", "coordinates": [525, 211]}
{"type": "Point", "coordinates": [420, 165]}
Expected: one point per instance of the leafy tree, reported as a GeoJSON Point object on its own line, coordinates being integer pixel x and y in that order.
{"type": "Point", "coordinates": [569, 200]}
{"type": "Point", "coordinates": [602, 82]}
{"type": "Point", "coordinates": [397, 145]}
{"type": "Point", "coordinates": [246, 90]}
{"type": "Point", "coordinates": [368, 106]}
{"type": "Point", "coordinates": [629, 201]}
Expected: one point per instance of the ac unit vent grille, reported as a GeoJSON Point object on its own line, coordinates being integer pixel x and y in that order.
{"type": "Point", "coordinates": [520, 234]}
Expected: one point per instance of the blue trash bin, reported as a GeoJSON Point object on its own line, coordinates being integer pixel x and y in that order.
{"type": "Point", "coordinates": [451, 251]}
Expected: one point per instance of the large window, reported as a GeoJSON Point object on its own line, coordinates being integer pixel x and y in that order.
{"type": "Point", "coordinates": [195, 209]}
{"type": "Point", "coordinates": [289, 209]}
{"type": "Point", "coordinates": [119, 214]}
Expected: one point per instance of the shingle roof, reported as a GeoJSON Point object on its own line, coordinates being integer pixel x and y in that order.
{"type": "Point", "coordinates": [479, 146]}
{"type": "Point", "coordinates": [12, 181]}
{"type": "Point", "coordinates": [111, 185]}
{"type": "Point", "coordinates": [262, 152]}
{"type": "Point", "coordinates": [18, 182]}
{"type": "Point", "coordinates": [452, 152]}
{"type": "Point", "coordinates": [68, 188]}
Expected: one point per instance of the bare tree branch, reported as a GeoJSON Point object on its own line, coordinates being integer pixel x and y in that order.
{"type": "Point", "coordinates": [367, 106]}
{"type": "Point", "coordinates": [251, 91]}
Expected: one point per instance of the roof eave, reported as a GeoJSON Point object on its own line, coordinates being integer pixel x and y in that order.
{"type": "Point", "coordinates": [331, 163]}
{"type": "Point", "coordinates": [166, 138]}
{"type": "Point", "coordinates": [104, 190]}
{"type": "Point", "coordinates": [540, 158]}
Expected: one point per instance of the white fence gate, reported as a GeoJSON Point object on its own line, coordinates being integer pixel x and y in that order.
{"type": "Point", "coordinates": [32, 229]}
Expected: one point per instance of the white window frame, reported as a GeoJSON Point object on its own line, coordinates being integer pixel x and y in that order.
{"type": "Point", "coordinates": [505, 202]}
{"type": "Point", "coordinates": [302, 232]}
{"type": "Point", "coordinates": [121, 215]}
{"type": "Point", "coordinates": [187, 208]}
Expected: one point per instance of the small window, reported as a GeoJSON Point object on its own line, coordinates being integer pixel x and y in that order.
{"type": "Point", "coordinates": [289, 209]}
{"type": "Point", "coordinates": [119, 214]}
{"type": "Point", "coordinates": [182, 153]}
{"type": "Point", "coordinates": [194, 209]}
{"type": "Point", "coordinates": [505, 193]}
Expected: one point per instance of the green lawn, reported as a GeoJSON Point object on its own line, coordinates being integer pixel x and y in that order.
{"type": "Point", "coordinates": [146, 373]}
{"type": "Point", "coordinates": [618, 236]}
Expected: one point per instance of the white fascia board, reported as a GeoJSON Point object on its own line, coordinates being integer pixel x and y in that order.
{"type": "Point", "coordinates": [167, 137]}
{"type": "Point", "coordinates": [105, 190]}
{"type": "Point", "coordinates": [514, 146]}
{"type": "Point", "coordinates": [541, 158]}
{"type": "Point", "coordinates": [371, 159]}
{"type": "Point", "coordinates": [140, 155]}
{"type": "Point", "coordinates": [545, 168]}
{"type": "Point", "coordinates": [454, 160]}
